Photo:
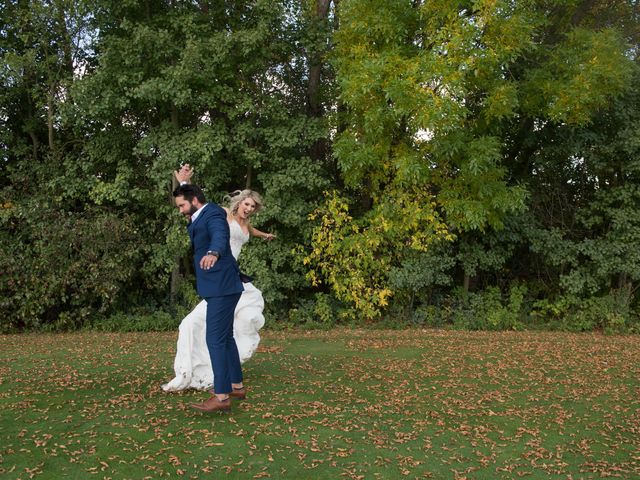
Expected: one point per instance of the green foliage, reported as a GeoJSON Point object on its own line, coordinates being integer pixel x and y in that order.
{"type": "Point", "coordinates": [496, 107]}
{"type": "Point", "coordinates": [423, 270]}
{"type": "Point", "coordinates": [218, 86]}
{"type": "Point", "coordinates": [276, 265]}
{"type": "Point", "coordinates": [434, 316]}
{"type": "Point", "coordinates": [320, 312]}
{"type": "Point", "coordinates": [490, 309]}
{"type": "Point", "coordinates": [220, 102]}
{"type": "Point", "coordinates": [611, 313]}
{"type": "Point", "coordinates": [585, 221]}
{"type": "Point", "coordinates": [488, 144]}
{"type": "Point", "coordinates": [354, 258]}
{"type": "Point", "coordinates": [409, 123]}
{"type": "Point", "coordinates": [349, 259]}
{"type": "Point", "coordinates": [579, 76]}
{"type": "Point", "coordinates": [61, 267]}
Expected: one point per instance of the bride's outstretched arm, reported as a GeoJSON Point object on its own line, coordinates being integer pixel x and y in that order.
{"type": "Point", "coordinates": [257, 233]}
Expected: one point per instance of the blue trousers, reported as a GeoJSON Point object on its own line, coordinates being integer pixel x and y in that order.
{"type": "Point", "coordinates": [221, 344]}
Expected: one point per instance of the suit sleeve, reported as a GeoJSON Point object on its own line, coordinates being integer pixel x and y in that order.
{"type": "Point", "coordinates": [218, 229]}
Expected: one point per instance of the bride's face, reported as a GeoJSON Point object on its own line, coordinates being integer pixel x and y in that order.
{"type": "Point", "coordinates": [246, 208]}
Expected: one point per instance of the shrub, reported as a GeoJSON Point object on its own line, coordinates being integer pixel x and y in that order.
{"type": "Point", "coordinates": [490, 309]}
{"type": "Point", "coordinates": [59, 268]}
{"type": "Point", "coordinates": [321, 311]}
{"type": "Point", "coordinates": [611, 313]}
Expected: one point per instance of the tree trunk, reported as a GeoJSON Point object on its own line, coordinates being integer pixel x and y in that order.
{"type": "Point", "coordinates": [50, 107]}
{"type": "Point", "coordinates": [314, 108]}
{"type": "Point", "coordinates": [175, 271]}
{"type": "Point", "coordinates": [67, 43]}
{"type": "Point", "coordinates": [34, 144]}
{"type": "Point", "coordinates": [247, 184]}
{"type": "Point", "coordinates": [314, 103]}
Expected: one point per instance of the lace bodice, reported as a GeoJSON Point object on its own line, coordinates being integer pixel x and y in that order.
{"type": "Point", "coordinates": [237, 238]}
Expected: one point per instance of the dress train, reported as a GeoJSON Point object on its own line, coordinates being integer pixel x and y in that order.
{"type": "Point", "coordinates": [192, 365]}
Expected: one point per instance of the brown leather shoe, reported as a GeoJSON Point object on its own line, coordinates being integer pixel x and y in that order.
{"type": "Point", "coordinates": [237, 393]}
{"type": "Point", "coordinates": [213, 405]}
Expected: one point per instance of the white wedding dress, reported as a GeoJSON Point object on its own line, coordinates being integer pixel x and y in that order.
{"type": "Point", "coordinates": [192, 365]}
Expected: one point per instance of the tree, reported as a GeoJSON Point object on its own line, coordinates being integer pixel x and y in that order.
{"type": "Point", "coordinates": [219, 86]}
{"type": "Point", "coordinates": [440, 96]}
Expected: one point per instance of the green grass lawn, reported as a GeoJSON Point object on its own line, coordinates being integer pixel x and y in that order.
{"type": "Point", "coordinates": [327, 405]}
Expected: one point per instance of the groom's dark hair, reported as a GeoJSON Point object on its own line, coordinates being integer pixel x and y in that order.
{"type": "Point", "coordinates": [189, 192]}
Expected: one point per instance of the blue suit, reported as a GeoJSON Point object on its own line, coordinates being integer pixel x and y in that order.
{"type": "Point", "coordinates": [221, 287]}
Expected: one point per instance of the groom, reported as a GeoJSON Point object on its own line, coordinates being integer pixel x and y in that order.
{"type": "Point", "coordinates": [218, 282]}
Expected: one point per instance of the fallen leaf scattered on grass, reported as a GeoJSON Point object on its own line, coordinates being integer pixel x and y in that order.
{"type": "Point", "coordinates": [338, 404]}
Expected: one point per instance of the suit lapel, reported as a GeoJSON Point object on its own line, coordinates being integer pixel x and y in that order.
{"type": "Point", "coordinates": [191, 225]}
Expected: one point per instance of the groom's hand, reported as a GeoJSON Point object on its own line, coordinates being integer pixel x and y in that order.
{"type": "Point", "coordinates": [184, 174]}
{"type": "Point", "coordinates": [208, 261]}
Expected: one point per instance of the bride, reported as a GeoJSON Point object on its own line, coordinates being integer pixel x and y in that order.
{"type": "Point", "coordinates": [192, 364]}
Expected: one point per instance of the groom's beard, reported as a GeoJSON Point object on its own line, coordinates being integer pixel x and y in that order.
{"type": "Point", "coordinates": [193, 209]}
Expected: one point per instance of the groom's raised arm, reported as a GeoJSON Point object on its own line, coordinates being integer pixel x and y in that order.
{"type": "Point", "coordinates": [184, 174]}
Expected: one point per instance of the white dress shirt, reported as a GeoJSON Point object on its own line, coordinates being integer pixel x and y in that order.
{"type": "Point", "coordinates": [197, 212]}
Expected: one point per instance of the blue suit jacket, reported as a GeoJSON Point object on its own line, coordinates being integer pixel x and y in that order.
{"type": "Point", "coordinates": [210, 231]}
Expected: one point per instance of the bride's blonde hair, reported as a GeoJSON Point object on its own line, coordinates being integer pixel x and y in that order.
{"type": "Point", "coordinates": [235, 198]}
